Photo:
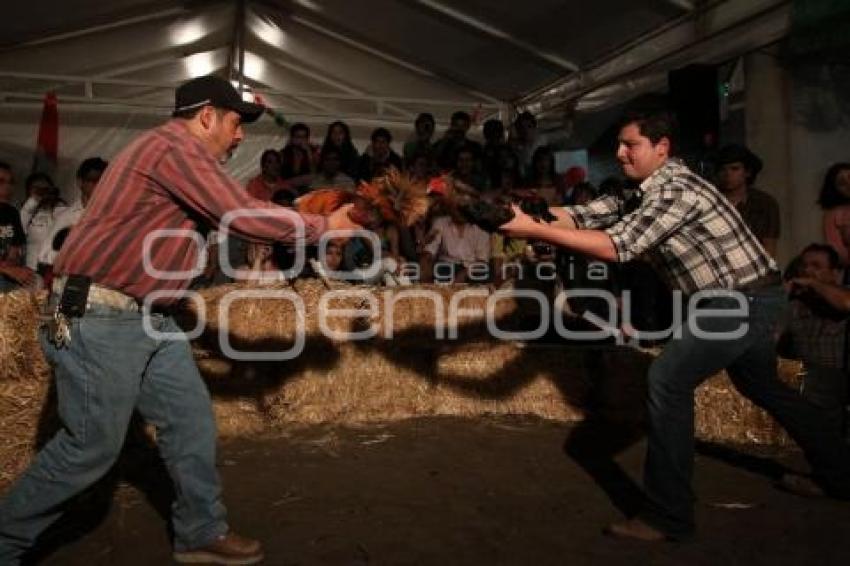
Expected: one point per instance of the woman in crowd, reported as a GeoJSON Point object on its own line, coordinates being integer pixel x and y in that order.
{"type": "Point", "coordinates": [269, 181]}
{"type": "Point", "coordinates": [542, 178]}
{"type": "Point", "coordinates": [835, 202]}
{"type": "Point", "coordinates": [339, 137]}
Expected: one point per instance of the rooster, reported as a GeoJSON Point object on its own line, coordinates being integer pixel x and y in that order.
{"type": "Point", "coordinates": [454, 197]}
{"type": "Point", "coordinates": [390, 199]}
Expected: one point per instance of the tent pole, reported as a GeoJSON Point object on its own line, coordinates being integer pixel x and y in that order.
{"type": "Point", "coordinates": [236, 57]}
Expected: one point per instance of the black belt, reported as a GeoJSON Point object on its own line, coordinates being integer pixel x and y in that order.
{"type": "Point", "coordinates": [772, 279]}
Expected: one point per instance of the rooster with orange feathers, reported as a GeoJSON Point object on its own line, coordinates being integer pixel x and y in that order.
{"type": "Point", "coordinates": [393, 199]}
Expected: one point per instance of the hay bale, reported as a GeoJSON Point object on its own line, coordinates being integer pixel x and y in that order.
{"type": "Point", "coordinates": [408, 315]}
{"type": "Point", "coordinates": [268, 323]}
{"type": "Point", "coordinates": [20, 352]}
{"type": "Point", "coordinates": [374, 384]}
{"type": "Point", "coordinates": [24, 383]}
{"type": "Point", "coordinates": [404, 314]}
{"type": "Point", "coordinates": [725, 416]}
{"type": "Point", "coordinates": [378, 380]}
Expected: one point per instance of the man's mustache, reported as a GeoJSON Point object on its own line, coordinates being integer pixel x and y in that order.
{"type": "Point", "coordinates": [229, 153]}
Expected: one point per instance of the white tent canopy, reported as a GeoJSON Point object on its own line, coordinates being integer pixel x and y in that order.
{"type": "Point", "coordinates": [369, 62]}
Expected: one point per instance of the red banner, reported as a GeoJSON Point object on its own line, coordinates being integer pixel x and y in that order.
{"type": "Point", "coordinates": [47, 146]}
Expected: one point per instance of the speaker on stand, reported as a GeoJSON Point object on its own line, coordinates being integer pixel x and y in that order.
{"type": "Point", "coordinates": [694, 95]}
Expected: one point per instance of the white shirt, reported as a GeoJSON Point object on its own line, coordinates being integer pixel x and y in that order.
{"type": "Point", "coordinates": [451, 242]}
{"type": "Point", "coordinates": [64, 218]}
{"type": "Point", "coordinates": [37, 224]}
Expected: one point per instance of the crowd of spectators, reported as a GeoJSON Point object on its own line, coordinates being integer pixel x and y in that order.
{"type": "Point", "coordinates": [444, 247]}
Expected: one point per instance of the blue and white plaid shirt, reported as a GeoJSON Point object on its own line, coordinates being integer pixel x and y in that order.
{"type": "Point", "coordinates": [692, 234]}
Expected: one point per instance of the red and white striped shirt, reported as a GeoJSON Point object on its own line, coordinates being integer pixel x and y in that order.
{"type": "Point", "coordinates": [165, 180]}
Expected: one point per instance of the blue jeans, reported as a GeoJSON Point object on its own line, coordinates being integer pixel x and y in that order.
{"type": "Point", "coordinates": [111, 368]}
{"type": "Point", "coordinates": [751, 364]}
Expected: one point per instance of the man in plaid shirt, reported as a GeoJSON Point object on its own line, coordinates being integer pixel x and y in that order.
{"type": "Point", "coordinates": [168, 181]}
{"type": "Point", "coordinates": [698, 242]}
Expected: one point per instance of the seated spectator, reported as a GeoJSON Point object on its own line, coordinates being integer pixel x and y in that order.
{"type": "Point", "coordinates": [567, 182]}
{"type": "Point", "coordinates": [495, 150]}
{"type": "Point", "coordinates": [465, 169]}
{"type": "Point", "coordinates": [509, 177]}
{"type": "Point", "coordinates": [421, 144]}
{"type": "Point", "coordinates": [330, 174]}
{"type": "Point", "coordinates": [379, 157]}
{"type": "Point", "coordinates": [737, 169]}
{"type": "Point", "coordinates": [88, 176]}
{"type": "Point", "coordinates": [13, 273]}
{"type": "Point", "coordinates": [269, 181]}
{"type": "Point", "coordinates": [267, 186]}
{"type": "Point", "coordinates": [334, 253]}
{"type": "Point", "coordinates": [39, 211]}
{"type": "Point", "coordinates": [835, 202]}
{"type": "Point", "coordinates": [451, 247]}
{"type": "Point", "coordinates": [259, 264]}
{"type": "Point", "coordinates": [583, 193]}
{"type": "Point", "coordinates": [542, 178]}
{"type": "Point", "coordinates": [339, 137]}
{"type": "Point", "coordinates": [334, 266]}
{"type": "Point", "coordinates": [360, 257]}
{"type": "Point", "coordinates": [421, 167]}
{"type": "Point", "coordinates": [285, 198]}
{"type": "Point", "coordinates": [505, 251]}
{"type": "Point", "coordinates": [816, 328]}
{"type": "Point", "coordinates": [299, 158]}
{"type": "Point", "coordinates": [524, 141]}
{"type": "Point", "coordinates": [445, 150]}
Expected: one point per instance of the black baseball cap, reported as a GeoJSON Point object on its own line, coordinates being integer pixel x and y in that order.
{"type": "Point", "coordinates": [216, 92]}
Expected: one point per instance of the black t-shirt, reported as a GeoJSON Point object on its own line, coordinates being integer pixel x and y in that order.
{"type": "Point", "coordinates": [11, 231]}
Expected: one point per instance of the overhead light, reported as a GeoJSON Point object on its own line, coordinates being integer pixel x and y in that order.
{"type": "Point", "coordinates": [199, 64]}
{"type": "Point", "coordinates": [187, 31]}
{"type": "Point", "coordinates": [255, 66]}
{"type": "Point", "coordinates": [269, 32]}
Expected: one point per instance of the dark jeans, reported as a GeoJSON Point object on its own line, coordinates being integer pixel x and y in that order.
{"type": "Point", "coordinates": [112, 367]}
{"type": "Point", "coordinates": [750, 361]}
{"type": "Point", "coordinates": [826, 388]}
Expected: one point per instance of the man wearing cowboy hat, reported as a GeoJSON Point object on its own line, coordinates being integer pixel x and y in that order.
{"type": "Point", "coordinates": [737, 168]}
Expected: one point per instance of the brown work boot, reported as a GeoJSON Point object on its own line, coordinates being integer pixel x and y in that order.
{"type": "Point", "coordinates": [226, 549]}
{"type": "Point", "coordinates": [800, 485]}
{"type": "Point", "coordinates": [635, 529]}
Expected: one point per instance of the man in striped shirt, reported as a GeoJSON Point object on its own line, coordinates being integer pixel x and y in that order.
{"type": "Point", "coordinates": [699, 242]}
{"type": "Point", "coordinates": [134, 241]}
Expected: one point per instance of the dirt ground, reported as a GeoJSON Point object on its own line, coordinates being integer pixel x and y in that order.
{"type": "Point", "coordinates": [452, 491]}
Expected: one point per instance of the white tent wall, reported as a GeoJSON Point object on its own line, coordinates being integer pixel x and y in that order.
{"type": "Point", "coordinates": [796, 155]}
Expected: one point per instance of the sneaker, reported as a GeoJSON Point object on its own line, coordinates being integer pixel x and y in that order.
{"type": "Point", "coordinates": [226, 549]}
